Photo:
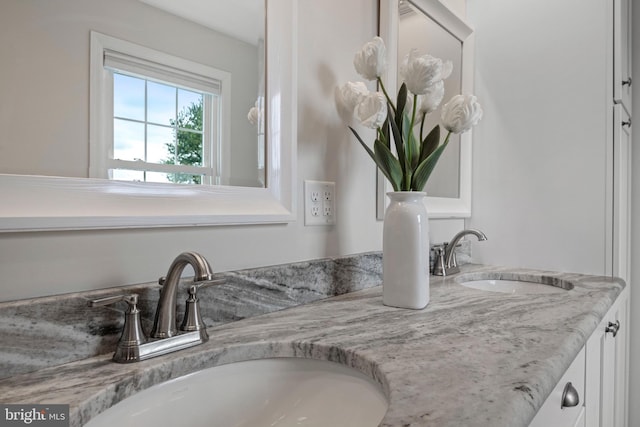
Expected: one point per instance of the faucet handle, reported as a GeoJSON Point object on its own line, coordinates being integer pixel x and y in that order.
{"type": "Point", "coordinates": [192, 320]}
{"type": "Point", "coordinates": [438, 265]}
{"type": "Point", "coordinates": [128, 349]}
{"type": "Point", "coordinates": [131, 300]}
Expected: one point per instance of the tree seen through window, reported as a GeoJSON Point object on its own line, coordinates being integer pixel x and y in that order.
{"type": "Point", "coordinates": [186, 148]}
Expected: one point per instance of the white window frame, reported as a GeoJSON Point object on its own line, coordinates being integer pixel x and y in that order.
{"type": "Point", "coordinates": [109, 54]}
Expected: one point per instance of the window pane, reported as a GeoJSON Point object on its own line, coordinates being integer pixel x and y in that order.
{"type": "Point", "coordinates": [128, 97]}
{"type": "Point", "coordinates": [189, 110]}
{"type": "Point", "coordinates": [161, 103]}
{"type": "Point", "coordinates": [189, 148]}
{"type": "Point", "coordinates": [158, 177]}
{"type": "Point", "coordinates": [183, 178]}
{"type": "Point", "coordinates": [126, 175]}
{"type": "Point", "coordinates": [160, 146]}
{"type": "Point", "coordinates": [128, 140]}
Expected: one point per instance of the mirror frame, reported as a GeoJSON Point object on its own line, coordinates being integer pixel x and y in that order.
{"type": "Point", "coordinates": [437, 207]}
{"type": "Point", "coordinates": [40, 203]}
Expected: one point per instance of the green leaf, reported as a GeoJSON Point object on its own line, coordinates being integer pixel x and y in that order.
{"type": "Point", "coordinates": [386, 137]}
{"type": "Point", "coordinates": [381, 163]}
{"type": "Point", "coordinates": [411, 144]}
{"type": "Point", "coordinates": [424, 169]}
{"type": "Point", "coordinates": [402, 102]}
{"type": "Point", "coordinates": [388, 164]}
{"type": "Point", "coordinates": [397, 138]}
{"type": "Point", "coordinates": [399, 119]}
{"type": "Point", "coordinates": [430, 143]}
{"type": "Point", "coordinates": [365, 146]}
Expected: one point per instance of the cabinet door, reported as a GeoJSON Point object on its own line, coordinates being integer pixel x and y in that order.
{"type": "Point", "coordinates": [621, 193]}
{"type": "Point", "coordinates": [552, 413]}
{"type": "Point", "coordinates": [606, 398]}
{"type": "Point", "coordinates": [593, 379]}
{"type": "Point", "coordinates": [581, 421]}
{"type": "Point", "coordinates": [622, 52]}
{"type": "Point", "coordinates": [621, 386]}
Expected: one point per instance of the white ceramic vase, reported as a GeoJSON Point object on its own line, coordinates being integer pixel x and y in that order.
{"type": "Point", "coordinates": [405, 251]}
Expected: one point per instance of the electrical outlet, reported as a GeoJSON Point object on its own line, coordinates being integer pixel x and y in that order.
{"type": "Point", "coordinates": [319, 203]}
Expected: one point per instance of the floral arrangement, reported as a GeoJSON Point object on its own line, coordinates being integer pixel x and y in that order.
{"type": "Point", "coordinates": [421, 93]}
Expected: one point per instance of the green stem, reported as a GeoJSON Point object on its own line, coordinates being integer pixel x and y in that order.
{"type": "Point", "coordinates": [424, 116]}
{"type": "Point", "coordinates": [411, 151]}
{"type": "Point", "coordinates": [446, 139]}
{"type": "Point", "coordinates": [393, 107]}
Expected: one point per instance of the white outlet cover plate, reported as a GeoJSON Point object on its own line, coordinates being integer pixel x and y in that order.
{"type": "Point", "coordinates": [319, 203]}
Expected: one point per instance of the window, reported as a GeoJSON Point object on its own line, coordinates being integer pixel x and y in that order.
{"type": "Point", "coordinates": [157, 117]}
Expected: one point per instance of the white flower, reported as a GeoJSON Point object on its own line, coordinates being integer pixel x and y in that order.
{"type": "Point", "coordinates": [461, 113]}
{"type": "Point", "coordinates": [432, 98]}
{"type": "Point", "coordinates": [254, 115]}
{"type": "Point", "coordinates": [352, 93]}
{"type": "Point", "coordinates": [419, 72]}
{"type": "Point", "coordinates": [372, 111]}
{"type": "Point", "coordinates": [370, 61]}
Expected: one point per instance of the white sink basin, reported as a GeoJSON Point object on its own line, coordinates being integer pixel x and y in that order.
{"type": "Point", "coordinates": [279, 392]}
{"type": "Point", "coordinates": [513, 286]}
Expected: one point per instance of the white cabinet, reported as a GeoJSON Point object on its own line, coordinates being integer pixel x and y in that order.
{"type": "Point", "coordinates": [621, 159]}
{"type": "Point", "coordinates": [622, 53]}
{"type": "Point", "coordinates": [553, 412]}
{"type": "Point", "coordinates": [598, 375]}
{"type": "Point", "coordinates": [621, 192]}
{"type": "Point", "coordinates": [607, 368]}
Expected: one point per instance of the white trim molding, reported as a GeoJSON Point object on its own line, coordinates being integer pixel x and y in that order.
{"type": "Point", "coordinates": [39, 203]}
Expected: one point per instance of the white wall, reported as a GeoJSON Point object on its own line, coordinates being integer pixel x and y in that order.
{"type": "Point", "coordinates": [539, 151]}
{"type": "Point", "coordinates": [33, 264]}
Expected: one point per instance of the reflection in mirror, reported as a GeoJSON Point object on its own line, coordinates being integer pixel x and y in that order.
{"type": "Point", "coordinates": [157, 128]}
{"type": "Point", "coordinates": [430, 27]}
{"type": "Point", "coordinates": [419, 31]}
{"type": "Point", "coordinates": [48, 124]}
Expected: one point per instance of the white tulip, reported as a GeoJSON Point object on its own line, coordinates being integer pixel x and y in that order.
{"type": "Point", "coordinates": [419, 72]}
{"type": "Point", "coordinates": [370, 61]}
{"type": "Point", "coordinates": [254, 115]}
{"type": "Point", "coordinates": [432, 98]}
{"type": "Point", "coordinates": [352, 93]}
{"type": "Point", "coordinates": [372, 110]}
{"type": "Point", "coordinates": [461, 113]}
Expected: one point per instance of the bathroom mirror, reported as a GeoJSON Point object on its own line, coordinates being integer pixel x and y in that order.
{"type": "Point", "coordinates": [48, 117]}
{"type": "Point", "coordinates": [430, 27]}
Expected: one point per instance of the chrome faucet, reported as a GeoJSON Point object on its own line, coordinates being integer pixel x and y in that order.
{"type": "Point", "coordinates": [164, 325]}
{"type": "Point", "coordinates": [165, 337]}
{"type": "Point", "coordinates": [446, 262]}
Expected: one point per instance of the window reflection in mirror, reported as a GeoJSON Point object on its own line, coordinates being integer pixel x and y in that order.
{"type": "Point", "coordinates": [417, 30]}
{"type": "Point", "coordinates": [44, 80]}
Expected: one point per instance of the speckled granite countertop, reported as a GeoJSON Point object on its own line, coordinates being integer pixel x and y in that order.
{"type": "Point", "coordinates": [471, 358]}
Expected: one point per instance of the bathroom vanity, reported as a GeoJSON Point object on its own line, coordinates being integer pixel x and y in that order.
{"type": "Point", "coordinates": [471, 358]}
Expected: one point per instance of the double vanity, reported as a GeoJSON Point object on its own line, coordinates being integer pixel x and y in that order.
{"type": "Point", "coordinates": [473, 357]}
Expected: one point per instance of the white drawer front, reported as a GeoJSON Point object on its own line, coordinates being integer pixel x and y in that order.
{"type": "Point", "coordinates": [552, 414]}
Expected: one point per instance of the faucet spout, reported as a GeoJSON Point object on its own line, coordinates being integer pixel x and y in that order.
{"type": "Point", "coordinates": [450, 262]}
{"type": "Point", "coordinates": [164, 325]}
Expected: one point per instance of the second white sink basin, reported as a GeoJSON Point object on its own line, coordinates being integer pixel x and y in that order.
{"type": "Point", "coordinates": [282, 392]}
{"type": "Point", "coordinates": [512, 286]}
